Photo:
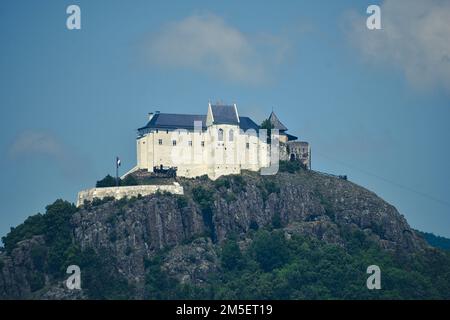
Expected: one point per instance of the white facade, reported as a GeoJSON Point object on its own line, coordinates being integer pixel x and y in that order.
{"type": "Point", "coordinates": [217, 145]}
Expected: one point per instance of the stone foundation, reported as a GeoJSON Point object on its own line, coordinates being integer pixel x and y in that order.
{"type": "Point", "coordinates": [122, 192]}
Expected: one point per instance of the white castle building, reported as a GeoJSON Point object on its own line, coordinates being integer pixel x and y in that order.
{"type": "Point", "coordinates": [219, 143]}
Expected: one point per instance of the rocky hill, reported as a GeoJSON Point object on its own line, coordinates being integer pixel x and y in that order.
{"type": "Point", "coordinates": [165, 246]}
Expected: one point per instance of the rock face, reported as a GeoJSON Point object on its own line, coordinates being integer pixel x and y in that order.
{"type": "Point", "coordinates": [305, 203]}
{"type": "Point", "coordinates": [20, 271]}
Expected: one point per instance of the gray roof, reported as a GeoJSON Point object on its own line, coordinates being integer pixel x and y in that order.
{"type": "Point", "coordinates": [224, 114]}
{"type": "Point", "coordinates": [276, 122]}
{"type": "Point", "coordinates": [171, 121]}
{"type": "Point", "coordinates": [291, 137]}
{"type": "Point", "coordinates": [245, 123]}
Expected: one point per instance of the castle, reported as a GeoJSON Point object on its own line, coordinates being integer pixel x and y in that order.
{"type": "Point", "coordinates": [219, 143]}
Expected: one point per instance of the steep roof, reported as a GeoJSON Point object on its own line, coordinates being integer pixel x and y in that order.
{"type": "Point", "coordinates": [171, 121]}
{"type": "Point", "coordinates": [245, 123]}
{"type": "Point", "coordinates": [291, 137]}
{"type": "Point", "coordinates": [174, 121]}
{"type": "Point", "coordinates": [225, 114]}
{"type": "Point", "coordinates": [276, 123]}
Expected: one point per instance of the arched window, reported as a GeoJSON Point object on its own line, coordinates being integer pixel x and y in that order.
{"type": "Point", "coordinates": [231, 135]}
{"type": "Point", "coordinates": [220, 134]}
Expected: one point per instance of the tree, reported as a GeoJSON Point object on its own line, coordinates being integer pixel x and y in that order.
{"type": "Point", "coordinates": [268, 126]}
{"type": "Point", "coordinates": [231, 257]}
{"type": "Point", "coordinates": [270, 250]}
{"type": "Point", "coordinates": [129, 180]}
{"type": "Point", "coordinates": [107, 181]}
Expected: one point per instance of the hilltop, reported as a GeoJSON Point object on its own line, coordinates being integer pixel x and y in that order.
{"type": "Point", "coordinates": [298, 234]}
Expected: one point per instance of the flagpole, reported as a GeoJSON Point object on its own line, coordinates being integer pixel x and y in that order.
{"type": "Point", "coordinates": [117, 171]}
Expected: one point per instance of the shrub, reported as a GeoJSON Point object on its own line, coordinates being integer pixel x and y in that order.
{"type": "Point", "coordinates": [270, 250]}
{"type": "Point", "coordinates": [253, 225]}
{"type": "Point", "coordinates": [34, 225]}
{"type": "Point", "coordinates": [158, 284]}
{"type": "Point", "coordinates": [56, 228]}
{"type": "Point", "coordinates": [36, 281]}
{"type": "Point", "coordinates": [182, 201]}
{"type": "Point", "coordinates": [239, 183]}
{"type": "Point", "coordinates": [229, 197]}
{"type": "Point", "coordinates": [231, 256]}
{"type": "Point", "coordinates": [113, 236]}
{"type": "Point", "coordinates": [291, 166]}
{"type": "Point", "coordinates": [107, 181]}
{"type": "Point", "coordinates": [205, 199]}
{"type": "Point", "coordinates": [38, 255]}
{"type": "Point", "coordinates": [100, 278]}
{"type": "Point", "coordinates": [98, 202]}
{"type": "Point", "coordinates": [222, 182]}
{"type": "Point", "coordinates": [276, 220]}
{"type": "Point", "coordinates": [129, 180]}
{"type": "Point", "coordinates": [271, 186]}
{"type": "Point", "coordinates": [128, 251]}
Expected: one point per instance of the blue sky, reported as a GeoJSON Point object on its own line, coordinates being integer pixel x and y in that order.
{"type": "Point", "coordinates": [374, 105]}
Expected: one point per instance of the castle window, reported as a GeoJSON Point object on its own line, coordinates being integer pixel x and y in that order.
{"type": "Point", "coordinates": [220, 134]}
{"type": "Point", "coordinates": [157, 130]}
{"type": "Point", "coordinates": [247, 145]}
{"type": "Point", "coordinates": [231, 135]}
{"type": "Point", "coordinates": [174, 142]}
{"type": "Point", "coordinates": [190, 143]}
{"type": "Point", "coordinates": [203, 143]}
{"type": "Point", "coordinates": [167, 131]}
{"type": "Point", "coordinates": [160, 141]}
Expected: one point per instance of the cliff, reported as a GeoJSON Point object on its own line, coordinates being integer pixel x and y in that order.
{"type": "Point", "coordinates": [124, 238]}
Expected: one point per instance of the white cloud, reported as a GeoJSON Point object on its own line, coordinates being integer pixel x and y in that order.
{"type": "Point", "coordinates": [206, 43]}
{"type": "Point", "coordinates": [35, 143]}
{"type": "Point", "coordinates": [415, 37]}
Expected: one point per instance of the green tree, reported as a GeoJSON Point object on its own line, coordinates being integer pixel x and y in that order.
{"type": "Point", "coordinates": [107, 181]}
{"type": "Point", "coordinates": [270, 250]}
{"type": "Point", "coordinates": [268, 126]}
{"type": "Point", "coordinates": [129, 180]}
{"type": "Point", "coordinates": [205, 199]}
{"type": "Point", "coordinates": [231, 257]}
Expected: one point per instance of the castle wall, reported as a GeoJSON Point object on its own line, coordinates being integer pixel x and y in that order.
{"type": "Point", "coordinates": [192, 158]}
{"type": "Point", "coordinates": [122, 192]}
{"type": "Point", "coordinates": [301, 151]}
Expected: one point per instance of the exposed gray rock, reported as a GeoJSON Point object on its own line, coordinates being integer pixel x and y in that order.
{"type": "Point", "coordinates": [307, 203]}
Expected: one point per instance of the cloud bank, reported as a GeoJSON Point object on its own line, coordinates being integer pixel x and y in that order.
{"type": "Point", "coordinates": [35, 143]}
{"type": "Point", "coordinates": [415, 38]}
{"type": "Point", "coordinates": [207, 44]}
